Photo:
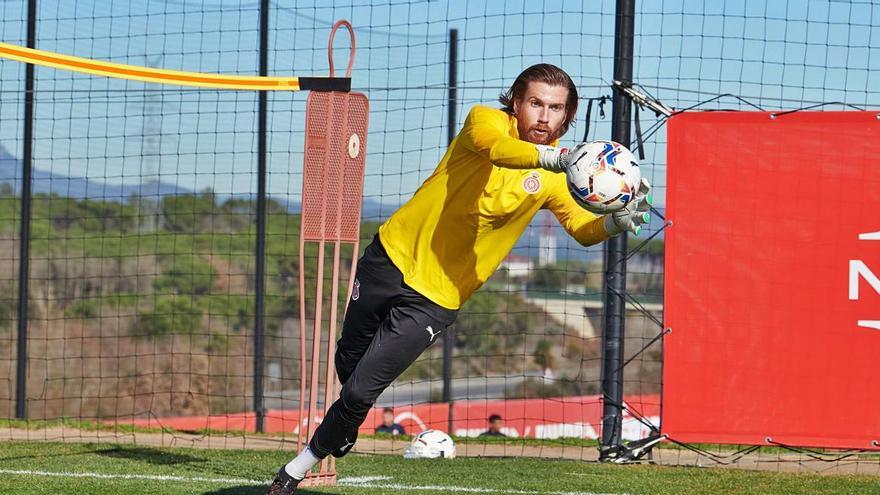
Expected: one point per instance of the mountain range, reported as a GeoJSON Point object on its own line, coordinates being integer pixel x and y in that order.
{"type": "Point", "coordinates": [84, 188]}
{"type": "Point", "coordinates": [46, 182]}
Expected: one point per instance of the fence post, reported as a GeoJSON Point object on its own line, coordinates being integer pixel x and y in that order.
{"type": "Point", "coordinates": [615, 248]}
{"type": "Point", "coordinates": [452, 106]}
{"type": "Point", "coordinates": [260, 269]}
{"type": "Point", "coordinates": [25, 239]}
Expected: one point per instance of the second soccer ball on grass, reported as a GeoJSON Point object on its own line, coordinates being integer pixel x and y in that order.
{"type": "Point", "coordinates": [430, 444]}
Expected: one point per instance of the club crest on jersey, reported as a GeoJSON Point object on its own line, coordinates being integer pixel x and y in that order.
{"type": "Point", "coordinates": [532, 183]}
{"type": "Point", "coordinates": [356, 292]}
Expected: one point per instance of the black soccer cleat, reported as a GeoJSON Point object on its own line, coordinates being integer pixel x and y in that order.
{"type": "Point", "coordinates": [284, 484]}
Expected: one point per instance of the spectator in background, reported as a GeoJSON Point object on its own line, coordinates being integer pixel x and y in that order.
{"type": "Point", "coordinates": [388, 425]}
{"type": "Point", "coordinates": [495, 425]}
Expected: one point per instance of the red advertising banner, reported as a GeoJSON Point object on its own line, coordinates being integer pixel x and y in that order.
{"type": "Point", "coordinates": [563, 417]}
{"type": "Point", "coordinates": [772, 289]}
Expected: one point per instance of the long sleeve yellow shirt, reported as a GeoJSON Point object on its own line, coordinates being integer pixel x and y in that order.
{"type": "Point", "coordinates": [450, 237]}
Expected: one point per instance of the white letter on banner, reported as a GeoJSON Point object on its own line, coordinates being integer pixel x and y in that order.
{"type": "Point", "coordinates": [856, 268]}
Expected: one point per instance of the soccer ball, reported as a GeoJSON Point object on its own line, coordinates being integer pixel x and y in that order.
{"type": "Point", "coordinates": [430, 444]}
{"type": "Point", "coordinates": [603, 177]}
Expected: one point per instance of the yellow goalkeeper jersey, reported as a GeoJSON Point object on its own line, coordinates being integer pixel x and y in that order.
{"type": "Point", "coordinates": [450, 237]}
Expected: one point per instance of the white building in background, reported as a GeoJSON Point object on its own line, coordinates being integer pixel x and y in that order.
{"type": "Point", "coordinates": [546, 249]}
{"type": "Point", "coordinates": [518, 266]}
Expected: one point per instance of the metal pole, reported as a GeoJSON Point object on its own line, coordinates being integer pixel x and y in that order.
{"type": "Point", "coordinates": [452, 104]}
{"type": "Point", "coordinates": [615, 249]}
{"type": "Point", "coordinates": [25, 240]}
{"type": "Point", "coordinates": [260, 286]}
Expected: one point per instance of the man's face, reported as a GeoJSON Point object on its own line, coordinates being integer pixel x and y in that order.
{"type": "Point", "coordinates": [540, 113]}
{"type": "Point", "coordinates": [496, 425]}
{"type": "Point", "coordinates": [388, 418]}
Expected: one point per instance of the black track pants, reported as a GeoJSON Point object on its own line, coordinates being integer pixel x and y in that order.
{"type": "Point", "coordinates": [387, 326]}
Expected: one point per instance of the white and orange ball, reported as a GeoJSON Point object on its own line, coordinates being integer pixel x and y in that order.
{"type": "Point", "coordinates": [603, 177]}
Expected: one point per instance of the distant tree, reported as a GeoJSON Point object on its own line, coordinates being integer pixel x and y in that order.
{"type": "Point", "coordinates": [654, 246]}
{"type": "Point", "coordinates": [238, 214]}
{"type": "Point", "coordinates": [188, 212]}
{"type": "Point", "coordinates": [83, 309]}
{"type": "Point", "coordinates": [476, 324]}
{"type": "Point", "coordinates": [548, 278]}
{"type": "Point", "coordinates": [187, 275]}
{"type": "Point", "coordinates": [543, 354]}
{"type": "Point", "coordinates": [8, 304]}
{"type": "Point", "coordinates": [87, 214]}
{"type": "Point", "coordinates": [170, 315]}
{"type": "Point", "coordinates": [493, 324]}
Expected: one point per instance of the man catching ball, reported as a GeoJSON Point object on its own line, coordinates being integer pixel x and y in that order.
{"type": "Point", "coordinates": [447, 240]}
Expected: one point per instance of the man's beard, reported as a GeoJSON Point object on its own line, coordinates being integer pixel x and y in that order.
{"type": "Point", "coordinates": [546, 137]}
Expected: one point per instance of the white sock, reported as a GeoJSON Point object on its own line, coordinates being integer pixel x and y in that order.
{"type": "Point", "coordinates": [301, 464]}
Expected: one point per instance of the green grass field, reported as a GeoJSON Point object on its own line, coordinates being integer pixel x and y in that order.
{"type": "Point", "coordinates": [70, 468]}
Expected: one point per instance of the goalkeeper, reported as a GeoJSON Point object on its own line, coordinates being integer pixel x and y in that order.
{"type": "Point", "coordinates": [446, 241]}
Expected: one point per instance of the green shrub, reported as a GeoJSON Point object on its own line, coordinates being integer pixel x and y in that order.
{"type": "Point", "coordinates": [170, 315]}
{"type": "Point", "coordinates": [83, 309]}
{"type": "Point", "coordinates": [187, 212]}
{"type": "Point", "coordinates": [187, 275]}
{"type": "Point", "coordinates": [236, 309]}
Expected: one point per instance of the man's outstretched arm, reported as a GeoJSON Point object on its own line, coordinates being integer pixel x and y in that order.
{"type": "Point", "coordinates": [487, 131]}
{"type": "Point", "coordinates": [588, 228]}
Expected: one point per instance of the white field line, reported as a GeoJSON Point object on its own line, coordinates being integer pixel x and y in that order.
{"type": "Point", "coordinates": [359, 480]}
{"type": "Point", "coordinates": [353, 482]}
{"type": "Point", "coordinates": [120, 476]}
{"type": "Point", "coordinates": [457, 489]}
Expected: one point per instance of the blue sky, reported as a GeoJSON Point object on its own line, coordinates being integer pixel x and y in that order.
{"type": "Point", "coordinates": [781, 54]}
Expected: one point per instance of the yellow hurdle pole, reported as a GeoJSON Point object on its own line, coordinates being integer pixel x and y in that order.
{"type": "Point", "coordinates": [165, 76]}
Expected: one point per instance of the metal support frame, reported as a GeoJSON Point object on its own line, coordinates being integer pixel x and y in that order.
{"type": "Point", "coordinates": [451, 119]}
{"type": "Point", "coordinates": [615, 250]}
{"type": "Point", "coordinates": [260, 255]}
{"type": "Point", "coordinates": [25, 232]}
